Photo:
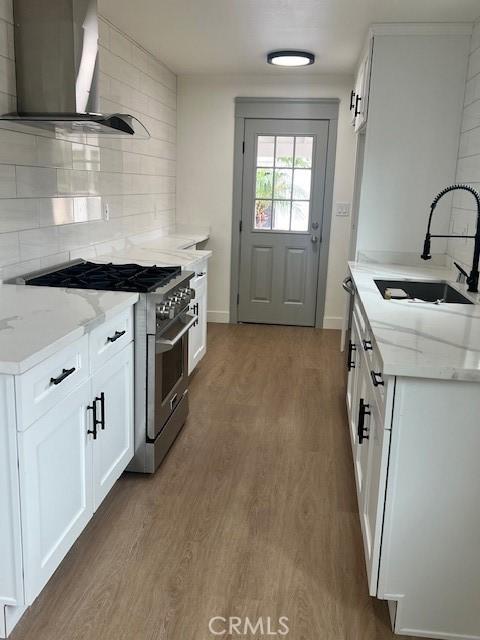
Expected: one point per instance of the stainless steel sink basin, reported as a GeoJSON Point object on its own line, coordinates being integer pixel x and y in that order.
{"type": "Point", "coordinates": [426, 291]}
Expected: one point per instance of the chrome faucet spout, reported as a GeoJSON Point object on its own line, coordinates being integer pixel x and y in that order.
{"type": "Point", "coordinates": [472, 279]}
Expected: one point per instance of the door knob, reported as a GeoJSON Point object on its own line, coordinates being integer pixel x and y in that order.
{"type": "Point", "coordinates": [314, 225]}
{"type": "Point", "coordinates": [314, 239]}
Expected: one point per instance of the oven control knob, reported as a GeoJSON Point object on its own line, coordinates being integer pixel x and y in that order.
{"type": "Point", "coordinates": [165, 312]}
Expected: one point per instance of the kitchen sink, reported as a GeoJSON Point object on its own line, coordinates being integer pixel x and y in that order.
{"type": "Point", "coordinates": [426, 291]}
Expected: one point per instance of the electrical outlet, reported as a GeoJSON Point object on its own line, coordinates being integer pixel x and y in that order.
{"type": "Point", "coordinates": [343, 209]}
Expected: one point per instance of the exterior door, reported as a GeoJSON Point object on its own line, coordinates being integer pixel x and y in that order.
{"type": "Point", "coordinates": [282, 215]}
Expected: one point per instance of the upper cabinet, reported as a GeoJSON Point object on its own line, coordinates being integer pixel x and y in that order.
{"type": "Point", "coordinates": [407, 105]}
{"type": "Point", "coordinates": [359, 94]}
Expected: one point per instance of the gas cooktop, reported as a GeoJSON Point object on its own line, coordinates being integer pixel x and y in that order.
{"type": "Point", "coordinates": [109, 277]}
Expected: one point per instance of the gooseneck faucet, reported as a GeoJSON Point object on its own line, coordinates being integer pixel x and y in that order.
{"type": "Point", "coordinates": [472, 279]}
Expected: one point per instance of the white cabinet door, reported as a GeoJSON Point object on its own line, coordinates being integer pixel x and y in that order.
{"type": "Point", "coordinates": [354, 366]}
{"type": "Point", "coordinates": [362, 425]}
{"type": "Point", "coordinates": [112, 392]}
{"type": "Point", "coordinates": [11, 575]}
{"type": "Point", "coordinates": [55, 469]}
{"type": "Point", "coordinates": [362, 89]}
{"type": "Point", "coordinates": [197, 338]}
{"type": "Point", "coordinates": [373, 505]}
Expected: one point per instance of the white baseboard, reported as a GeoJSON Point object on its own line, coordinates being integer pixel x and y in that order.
{"type": "Point", "coordinates": [333, 322]}
{"type": "Point", "coordinates": [218, 316]}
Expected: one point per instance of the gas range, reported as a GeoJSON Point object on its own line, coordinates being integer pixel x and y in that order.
{"type": "Point", "coordinates": [162, 321]}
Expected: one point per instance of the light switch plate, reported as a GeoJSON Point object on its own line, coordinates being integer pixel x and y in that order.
{"type": "Point", "coordinates": [343, 209]}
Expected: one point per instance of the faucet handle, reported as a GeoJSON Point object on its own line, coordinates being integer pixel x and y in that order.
{"type": "Point", "coordinates": [462, 275]}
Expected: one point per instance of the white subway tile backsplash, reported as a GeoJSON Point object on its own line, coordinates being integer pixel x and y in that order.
{"type": "Point", "coordinates": [463, 217]}
{"type": "Point", "coordinates": [17, 214]}
{"type": "Point", "coordinates": [472, 91]}
{"type": "Point", "coordinates": [8, 187]}
{"type": "Point", "coordinates": [38, 243]}
{"type": "Point", "coordinates": [475, 37]}
{"type": "Point", "coordinates": [16, 148]}
{"type": "Point", "coordinates": [120, 45]}
{"type": "Point", "coordinates": [471, 116]}
{"type": "Point", "coordinates": [474, 64]}
{"type": "Point", "coordinates": [53, 153]}
{"type": "Point", "coordinates": [55, 185]}
{"type": "Point", "coordinates": [36, 182]}
{"type": "Point", "coordinates": [7, 76]}
{"type": "Point", "coordinates": [6, 10]}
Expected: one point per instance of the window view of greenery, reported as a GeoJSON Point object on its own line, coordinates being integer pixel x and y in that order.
{"type": "Point", "coordinates": [283, 182]}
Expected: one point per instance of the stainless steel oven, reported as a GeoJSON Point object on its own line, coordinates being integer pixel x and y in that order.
{"type": "Point", "coordinates": [167, 371]}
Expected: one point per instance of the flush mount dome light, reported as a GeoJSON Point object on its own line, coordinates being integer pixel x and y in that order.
{"type": "Point", "coordinates": [290, 58]}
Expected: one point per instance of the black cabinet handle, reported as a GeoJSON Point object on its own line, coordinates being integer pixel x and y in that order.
{"type": "Point", "coordinates": [350, 361]}
{"type": "Point", "coordinates": [116, 336]}
{"type": "Point", "coordinates": [377, 378]}
{"type": "Point", "coordinates": [95, 421]}
{"type": "Point", "coordinates": [195, 311]}
{"type": "Point", "coordinates": [65, 373]}
{"type": "Point", "coordinates": [361, 430]}
{"type": "Point", "coordinates": [367, 345]}
{"type": "Point", "coordinates": [357, 110]}
{"type": "Point", "coordinates": [102, 410]}
{"type": "Point", "coordinates": [352, 96]}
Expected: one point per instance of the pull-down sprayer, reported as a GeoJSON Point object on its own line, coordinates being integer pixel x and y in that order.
{"type": "Point", "coordinates": [472, 279]}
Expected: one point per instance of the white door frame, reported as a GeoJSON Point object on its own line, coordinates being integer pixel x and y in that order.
{"type": "Point", "coordinates": [294, 109]}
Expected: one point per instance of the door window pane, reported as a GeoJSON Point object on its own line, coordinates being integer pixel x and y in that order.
{"type": "Point", "coordinates": [283, 184]}
{"type": "Point", "coordinates": [300, 211]}
{"type": "Point", "coordinates": [301, 184]}
{"type": "Point", "coordinates": [303, 151]}
{"type": "Point", "coordinates": [284, 151]}
{"type": "Point", "coordinates": [281, 215]}
{"type": "Point", "coordinates": [265, 151]}
{"type": "Point", "coordinates": [263, 214]}
{"type": "Point", "coordinates": [264, 185]}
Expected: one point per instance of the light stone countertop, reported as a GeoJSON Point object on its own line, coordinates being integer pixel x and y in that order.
{"type": "Point", "coordinates": [420, 339]}
{"type": "Point", "coordinates": [36, 322]}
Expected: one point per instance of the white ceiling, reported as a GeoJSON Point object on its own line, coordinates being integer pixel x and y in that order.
{"type": "Point", "coordinates": [233, 36]}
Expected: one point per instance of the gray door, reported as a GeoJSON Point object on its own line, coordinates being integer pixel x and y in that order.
{"type": "Point", "coordinates": [282, 213]}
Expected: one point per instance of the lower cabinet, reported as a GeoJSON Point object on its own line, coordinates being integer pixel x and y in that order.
{"type": "Point", "coordinates": [370, 438]}
{"type": "Point", "coordinates": [56, 491]}
{"type": "Point", "coordinates": [197, 337]}
{"type": "Point", "coordinates": [112, 392]}
{"type": "Point", "coordinates": [68, 461]}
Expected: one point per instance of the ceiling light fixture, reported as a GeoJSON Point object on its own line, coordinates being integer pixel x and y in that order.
{"type": "Point", "coordinates": [290, 58]}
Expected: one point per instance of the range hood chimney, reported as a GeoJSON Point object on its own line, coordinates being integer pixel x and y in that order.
{"type": "Point", "coordinates": [56, 63]}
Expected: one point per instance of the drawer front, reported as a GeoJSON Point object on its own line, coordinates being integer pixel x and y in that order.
{"type": "Point", "coordinates": [44, 386]}
{"type": "Point", "coordinates": [110, 337]}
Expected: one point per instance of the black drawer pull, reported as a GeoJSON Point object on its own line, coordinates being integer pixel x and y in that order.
{"type": "Point", "coordinates": [102, 410]}
{"type": "Point", "coordinates": [367, 345]}
{"type": "Point", "coordinates": [364, 411]}
{"type": "Point", "coordinates": [377, 378]}
{"type": "Point", "coordinates": [116, 336]}
{"type": "Point", "coordinates": [351, 348]}
{"type": "Point", "coordinates": [65, 373]}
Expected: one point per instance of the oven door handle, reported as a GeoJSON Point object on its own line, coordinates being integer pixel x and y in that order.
{"type": "Point", "coordinates": [165, 344]}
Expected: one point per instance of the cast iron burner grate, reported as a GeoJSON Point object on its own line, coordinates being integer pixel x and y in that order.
{"type": "Point", "coordinates": [108, 277]}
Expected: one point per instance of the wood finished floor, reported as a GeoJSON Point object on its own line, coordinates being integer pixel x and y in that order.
{"type": "Point", "coordinates": [253, 512]}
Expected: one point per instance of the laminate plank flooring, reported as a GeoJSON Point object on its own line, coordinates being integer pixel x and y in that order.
{"type": "Point", "coordinates": [253, 512]}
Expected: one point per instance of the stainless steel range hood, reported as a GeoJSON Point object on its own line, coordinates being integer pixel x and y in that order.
{"type": "Point", "coordinates": [56, 63]}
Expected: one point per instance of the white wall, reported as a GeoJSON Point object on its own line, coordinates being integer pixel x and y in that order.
{"type": "Point", "coordinates": [53, 191]}
{"type": "Point", "coordinates": [464, 214]}
{"type": "Point", "coordinates": [205, 168]}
